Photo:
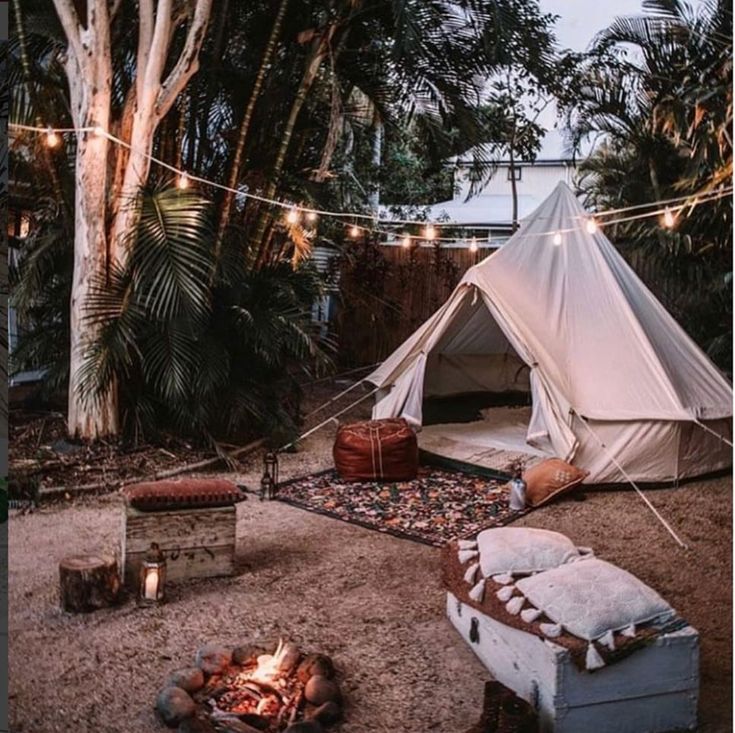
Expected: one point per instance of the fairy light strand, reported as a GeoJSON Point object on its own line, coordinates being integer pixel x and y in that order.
{"type": "Point", "coordinates": [294, 212]}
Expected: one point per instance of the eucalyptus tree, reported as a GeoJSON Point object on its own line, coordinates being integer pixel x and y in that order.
{"type": "Point", "coordinates": [105, 213]}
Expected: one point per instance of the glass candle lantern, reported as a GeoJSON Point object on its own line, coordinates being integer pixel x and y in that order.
{"type": "Point", "coordinates": [269, 481]}
{"type": "Point", "coordinates": [152, 577]}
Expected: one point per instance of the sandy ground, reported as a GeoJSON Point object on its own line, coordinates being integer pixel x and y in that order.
{"type": "Point", "coordinates": [371, 601]}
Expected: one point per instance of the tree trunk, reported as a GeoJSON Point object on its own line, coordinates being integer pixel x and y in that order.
{"type": "Point", "coordinates": [88, 582]}
{"type": "Point", "coordinates": [229, 197]}
{"type": "Point", "coordinates": [314, 62]}
{"type": "Point", "coordinates": [514, 191]}
{"type": "Point", "coordinates": [89, 71]}
{"type": "Point", "coordinates": [89, 417]}
{"type": "Point", "coordinates": [374, 198]}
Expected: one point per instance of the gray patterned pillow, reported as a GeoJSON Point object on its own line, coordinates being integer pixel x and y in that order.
{"type": "Point", "coordinates": [591, 598]}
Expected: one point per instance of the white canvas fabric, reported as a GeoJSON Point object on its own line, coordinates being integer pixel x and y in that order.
{"type": "Point", "coordinates": [573, 324]}
{"type": "Point", "coordinates": [591, 597]}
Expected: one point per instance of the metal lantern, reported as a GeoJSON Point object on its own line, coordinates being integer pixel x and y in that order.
{"type": "Point", "coordinates": [269, 481]}
{"type": "Point", "coordinates": [152, 577]}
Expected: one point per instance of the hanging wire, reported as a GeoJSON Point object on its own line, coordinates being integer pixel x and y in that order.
{"type": "Point", "coordinates": [356, 230]}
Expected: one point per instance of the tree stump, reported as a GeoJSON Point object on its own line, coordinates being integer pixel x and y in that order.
{"type": "Point", "coordinates": [88, 582]}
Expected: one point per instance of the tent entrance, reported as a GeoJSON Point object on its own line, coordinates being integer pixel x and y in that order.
{"type": "Point", "coordinates": [477, 397]}
{"type": "Point", "coordinates": [489, 446]}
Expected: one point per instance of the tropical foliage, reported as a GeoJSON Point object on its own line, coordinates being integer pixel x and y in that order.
{"type": "Point", "coordinates": [204, 326]}
{"type": "Point", "coordinates": [656, 95]}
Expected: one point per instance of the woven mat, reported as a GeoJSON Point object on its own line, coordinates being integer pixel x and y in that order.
{"type": "Point", "coordinates": [438, 506]}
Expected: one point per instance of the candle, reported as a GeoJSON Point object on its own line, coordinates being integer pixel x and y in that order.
{"type": "Point", "coordinates": [151, 585]}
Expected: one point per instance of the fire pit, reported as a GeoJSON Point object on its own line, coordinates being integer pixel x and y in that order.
{"type": "Point", "coordinates": [251, 690]}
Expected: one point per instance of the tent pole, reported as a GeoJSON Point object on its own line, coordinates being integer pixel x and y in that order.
{"type": "Point", "coordinates": [655, 511]}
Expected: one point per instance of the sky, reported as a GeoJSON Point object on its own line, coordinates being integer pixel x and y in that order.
{"type": "Point", "coordinates": [578, 22]}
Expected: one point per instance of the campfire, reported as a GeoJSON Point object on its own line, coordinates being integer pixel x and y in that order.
{"type": "Point", "coordinates": [249, 690]}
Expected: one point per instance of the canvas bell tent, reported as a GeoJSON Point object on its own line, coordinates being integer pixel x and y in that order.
{"type": "Point", "coordinates": [612, 383]}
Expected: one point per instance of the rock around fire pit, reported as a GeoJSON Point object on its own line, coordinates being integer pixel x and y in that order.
{"type": "Point", "coordinates": [249, 690]}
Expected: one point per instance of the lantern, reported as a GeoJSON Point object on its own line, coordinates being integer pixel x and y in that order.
{"type": "Point", "coordinates": [152, 577]}
{"type": "Point", "coordinates": [269, 482]}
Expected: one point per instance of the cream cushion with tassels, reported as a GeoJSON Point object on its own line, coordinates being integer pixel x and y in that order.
{"type": "Point", "coordinates": [520, 550]}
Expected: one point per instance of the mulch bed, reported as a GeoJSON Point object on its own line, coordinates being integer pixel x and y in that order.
{"type": "Point", "coordinates": [42, 456]}
{"type": "Point", "coordinates": [438, 506]}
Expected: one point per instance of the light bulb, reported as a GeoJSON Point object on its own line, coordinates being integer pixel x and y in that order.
{"type": "Point", "coordinates": [557, 239]}
{"type": "Point", "coordinates": [406, 241]}
{"type": "Point", "coordinates": [430, 231]}
{"type": "Point", "coordinates": [669, 219]}
{"type": "Point", "coordinates": [591, 225]}
{"type": "Point", "coordinates": [98, 131]}
{"type": "Point", "coordinates": [292, 217]}
{"type": "Point", "coordinates": [473, 244]}
{"type": "Point", "coordinates": [354, 231]}
{"type": "Point", "coordinates": [183, 182]}
{"type": "Point", "coordinates": [311, 216]}
{"type": "Point", "coordinates": [52, 138]}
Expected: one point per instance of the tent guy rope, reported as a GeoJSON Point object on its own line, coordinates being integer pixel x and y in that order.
{"type": "Point", "coordinates": [610, 455]}
{"type": "Point", "coordinates": [709, 430]}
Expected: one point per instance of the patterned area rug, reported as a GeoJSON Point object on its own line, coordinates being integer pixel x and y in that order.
{"type": "Point", "coordinates": [438, 506]}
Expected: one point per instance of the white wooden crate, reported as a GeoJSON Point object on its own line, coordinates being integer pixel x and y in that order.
{"type": "Point", "coordinates": [197, 543]}
{"type": "Point", "coordinates": [654, 690]}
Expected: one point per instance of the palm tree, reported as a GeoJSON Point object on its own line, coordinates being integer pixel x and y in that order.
{"type": "Point", "coordinates": [662, 116]}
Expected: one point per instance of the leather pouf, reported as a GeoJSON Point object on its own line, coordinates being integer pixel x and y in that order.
{"type": "Point", "coordinates": [380, 450]}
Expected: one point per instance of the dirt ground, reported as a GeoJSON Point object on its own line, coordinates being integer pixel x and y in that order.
{"type": "Point", "coordinates": [373, 602]}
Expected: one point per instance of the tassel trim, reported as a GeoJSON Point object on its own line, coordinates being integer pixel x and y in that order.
{"type": "Point", "coordinates": [467, 544]}
{"type": "Point", "coordinates": [608, 639]}
{"type": "Point", "coordinates": [629, 631]}
{"type": "Point", "coordinates": [503, 578]}
{"type": "Point", "coordinates": [478, 592]}
{"type": "Point", "coordinates": [514, 605]}
{"type": "Point", "coordinates": [530, 615]}
{"type": "Point", "coordinates": [551, 630]}
{"type": "Point", "coordinates": [467, 555]}
{"type": "Point", "coordinates": [471, 575]}
{"type": "Point", "coordinates": [593, 660]}
{"type": "Point", "coordinates": [505, 594]}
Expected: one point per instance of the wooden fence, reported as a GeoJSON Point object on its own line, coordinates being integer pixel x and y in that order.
{"type": "Point", "coordinates": [388, 292]}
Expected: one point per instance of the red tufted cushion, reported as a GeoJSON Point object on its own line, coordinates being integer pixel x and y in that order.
{"type": "Point", "coordinates": [183, 494]}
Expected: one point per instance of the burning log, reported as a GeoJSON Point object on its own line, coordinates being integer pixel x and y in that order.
{"type": "Point", "coordinates": [267, 692]}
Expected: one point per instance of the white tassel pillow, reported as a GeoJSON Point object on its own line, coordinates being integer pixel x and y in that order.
{"type": "Point", "coordinates": [592, 598]}
{"type": "Point", "coordinates": [520, 550]}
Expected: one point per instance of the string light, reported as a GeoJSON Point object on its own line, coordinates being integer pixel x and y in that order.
{"type": "Point", "coordinates": [311, 217]}
{"type": "Point", "coordinates": [591, 225]}
{"type": "Point", "coordinates": [183, 182]}
{"type": "Point", "coordinates": [292, 216]}
{"type": "Point", "coordinates": [406, 241]}
{"type": "Point", "coordinates": [430, 232]}
{"type": "Point", "coordinates": [473, 244]}
{"type": "Point", "coordinates": [52, 138]}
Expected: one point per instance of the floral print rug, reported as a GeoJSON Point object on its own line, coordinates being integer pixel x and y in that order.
{"type": "Point", "coordinates": [436, 507]}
